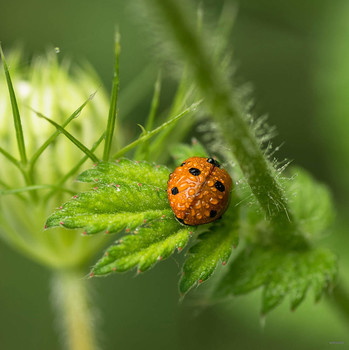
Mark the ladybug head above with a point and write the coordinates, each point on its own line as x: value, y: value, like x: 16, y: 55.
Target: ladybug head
x: 214, y: 162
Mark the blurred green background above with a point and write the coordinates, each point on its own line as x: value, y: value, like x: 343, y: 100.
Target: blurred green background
x: 296, y: 55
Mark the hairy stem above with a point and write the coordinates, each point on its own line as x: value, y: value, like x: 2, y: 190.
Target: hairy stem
x: 225, y: 108
x: 71, y: 300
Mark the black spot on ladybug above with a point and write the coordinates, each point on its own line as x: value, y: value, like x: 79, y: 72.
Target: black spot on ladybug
x: 220, y: 187
x: 195, y: 171
x: 174, y: 191
x: 213, y: 213
x: 214, y: 162
x: 182, y: 164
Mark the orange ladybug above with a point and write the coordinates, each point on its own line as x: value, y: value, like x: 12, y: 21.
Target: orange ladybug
x: 199, y: 191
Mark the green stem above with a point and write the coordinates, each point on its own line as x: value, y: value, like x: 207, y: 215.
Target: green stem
x: 10, y: 158
x: 150, y: 134
x: 230, y: 115
x: 33, y: 188
x: 52, y: 138
x: 70, y: 297
x: 74, y: 140
x: 75, y: 168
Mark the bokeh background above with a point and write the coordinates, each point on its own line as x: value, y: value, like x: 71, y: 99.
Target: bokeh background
x: 296, y: 55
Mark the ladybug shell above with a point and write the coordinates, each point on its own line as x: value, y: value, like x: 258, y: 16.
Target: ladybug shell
x: 199, y: 191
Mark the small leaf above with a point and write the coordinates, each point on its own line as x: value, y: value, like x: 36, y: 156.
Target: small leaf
x: 113, y: 109
x: 310, y: 202
x: 215, y: 245
x: 111, y: 208
x: 181, y: 152
x: 144, y: 132
x: 281, y: 273
x: 247, y: 272
x: 147, y: 245
x: 127, y: 171
x: 118, y: 199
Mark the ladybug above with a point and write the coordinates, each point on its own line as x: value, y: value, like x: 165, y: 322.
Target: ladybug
x: 199, y: 191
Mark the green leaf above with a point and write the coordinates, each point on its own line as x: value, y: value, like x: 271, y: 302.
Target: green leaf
x: 126, y: 194
x: 148, y: 244
x: 154, y: 103
x: 76, y: 142
x: 310, y: 202
x: 15, y: 111
x: 181, y: 151
x: 10, y: 157
x: 281, y: 273
x: 113, y: 110
x: 76, y: 167
x: 214, y: 246
x: 127, y: 171
x: 52, y: 138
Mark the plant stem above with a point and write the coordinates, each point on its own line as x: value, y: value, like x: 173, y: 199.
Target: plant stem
x: 70, y: 297
x: 226, y: 109
x: 150, y: 134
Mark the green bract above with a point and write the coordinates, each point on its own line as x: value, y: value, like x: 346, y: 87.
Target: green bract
x: 37, y: 161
